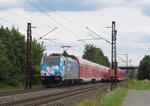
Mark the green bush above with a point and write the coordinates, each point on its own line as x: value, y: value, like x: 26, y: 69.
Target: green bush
x: 130, y: 84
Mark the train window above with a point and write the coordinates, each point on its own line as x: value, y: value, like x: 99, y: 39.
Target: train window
x: 69, y: 66
x: 64, y: 63
x: 93, y: 70
x: 51, y: 60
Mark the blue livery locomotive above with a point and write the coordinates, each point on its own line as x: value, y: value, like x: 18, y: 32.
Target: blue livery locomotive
x: 58, y: 69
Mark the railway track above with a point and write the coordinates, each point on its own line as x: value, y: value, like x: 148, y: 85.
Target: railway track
x: 2, y: 94
x: 39, y: 100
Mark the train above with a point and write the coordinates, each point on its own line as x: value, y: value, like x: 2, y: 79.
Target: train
x: 73, y: 70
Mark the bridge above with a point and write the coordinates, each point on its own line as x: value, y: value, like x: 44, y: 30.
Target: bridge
x: 130, y: 70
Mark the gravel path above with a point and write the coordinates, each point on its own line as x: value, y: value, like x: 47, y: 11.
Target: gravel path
x: 137, y: 98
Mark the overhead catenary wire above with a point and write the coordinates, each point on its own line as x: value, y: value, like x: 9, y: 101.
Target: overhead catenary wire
x: 23, y: 18
x: 13, y: 24
x: 121, y: 59
x: 50, y: 8
x: 98, y: 35
x: 26, y: 29
x: 51, y: 18
x: 61, y: 16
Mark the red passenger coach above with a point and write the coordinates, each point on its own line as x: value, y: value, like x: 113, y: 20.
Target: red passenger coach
x: 105, y: 71
x: 121, y: 75
x: 90, y: 71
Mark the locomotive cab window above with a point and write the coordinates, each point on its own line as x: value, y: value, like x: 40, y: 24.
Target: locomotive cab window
x: 51, y: 60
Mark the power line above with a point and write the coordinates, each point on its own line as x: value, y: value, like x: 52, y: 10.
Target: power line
x: 121, y: 59
x: 50, y: 17
x: 13, y: 24
x: 58, y: 13
x: 99, y: 35
x: 23, y: 18
x: 26, y: 29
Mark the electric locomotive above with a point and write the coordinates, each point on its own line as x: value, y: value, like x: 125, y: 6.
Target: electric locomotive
x: 58, y: 69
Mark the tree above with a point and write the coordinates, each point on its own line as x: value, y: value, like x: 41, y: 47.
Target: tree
x: 95, y: 54
x: 37, y: 54
x: 144, y: 68
x: 13, y: 52
x: 15, y: 46
x: 5, y: 65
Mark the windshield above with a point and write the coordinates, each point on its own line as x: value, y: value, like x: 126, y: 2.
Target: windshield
x: 51, y: 60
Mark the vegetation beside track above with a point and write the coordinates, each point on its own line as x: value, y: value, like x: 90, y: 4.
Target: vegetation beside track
x: 9, y: 88
x: 6, y: 88
x: 115, y: 98
x: 137, y: 84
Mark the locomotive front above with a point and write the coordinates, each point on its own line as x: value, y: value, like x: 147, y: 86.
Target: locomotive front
x: 52, y: 69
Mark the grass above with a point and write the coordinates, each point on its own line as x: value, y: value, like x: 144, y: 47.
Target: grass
x: 9, y: 88
x: 115, y: 98
x: 6, y: 88
x: 142, y: 85
x: 136, y: 84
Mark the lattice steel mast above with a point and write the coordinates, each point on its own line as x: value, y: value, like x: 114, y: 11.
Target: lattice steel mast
x: 29, y: 58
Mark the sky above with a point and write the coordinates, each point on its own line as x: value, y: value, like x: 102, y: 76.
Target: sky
x: 68, y: 20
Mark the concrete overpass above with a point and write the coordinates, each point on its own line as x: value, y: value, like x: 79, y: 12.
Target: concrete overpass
x: 130, y: 70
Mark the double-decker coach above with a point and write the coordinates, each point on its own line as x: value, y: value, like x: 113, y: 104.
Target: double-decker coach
x: 90, y: 71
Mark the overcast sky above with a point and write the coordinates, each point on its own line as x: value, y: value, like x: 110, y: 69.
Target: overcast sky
x: 71, y: 17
